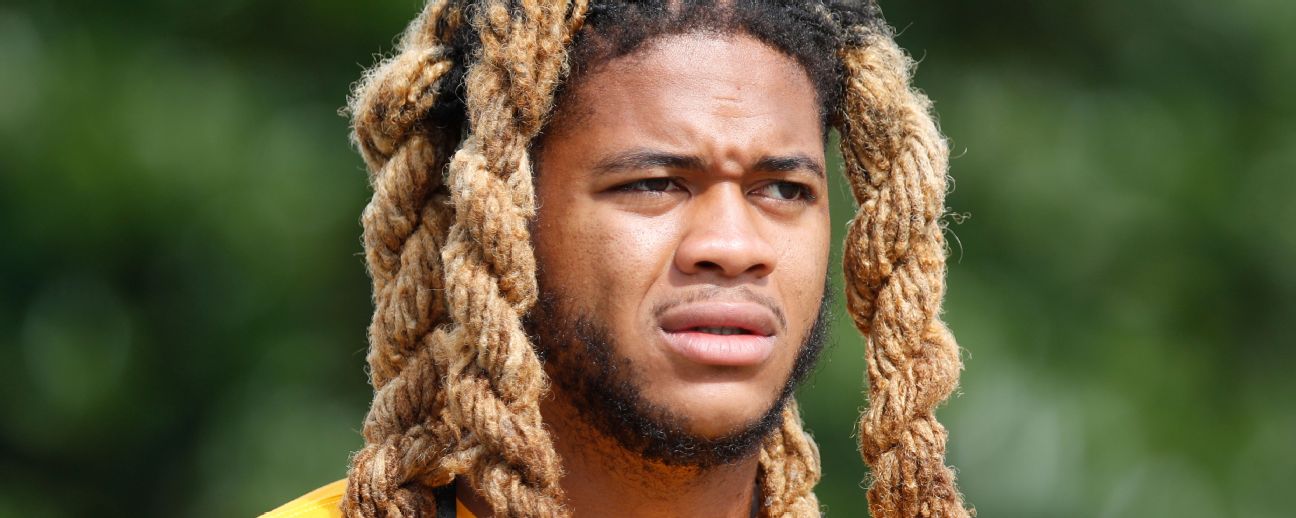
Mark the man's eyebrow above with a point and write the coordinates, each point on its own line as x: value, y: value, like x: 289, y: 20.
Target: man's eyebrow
x: 789, y: 163
x: 638, y: 159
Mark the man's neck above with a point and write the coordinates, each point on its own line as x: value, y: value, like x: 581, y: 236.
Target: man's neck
x: 603, y: 479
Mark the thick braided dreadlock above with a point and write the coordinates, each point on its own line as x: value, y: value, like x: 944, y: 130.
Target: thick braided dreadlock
x: 445, y: 127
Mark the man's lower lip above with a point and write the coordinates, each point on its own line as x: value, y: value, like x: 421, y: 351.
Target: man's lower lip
x: 720, y: 350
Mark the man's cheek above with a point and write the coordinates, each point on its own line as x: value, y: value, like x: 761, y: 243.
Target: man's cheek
x: 616, y: 254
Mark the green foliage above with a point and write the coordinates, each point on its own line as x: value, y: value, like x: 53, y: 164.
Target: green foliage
x: 184, y: 305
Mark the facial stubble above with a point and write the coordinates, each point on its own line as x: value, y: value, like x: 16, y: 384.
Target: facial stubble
x: 608, y: 389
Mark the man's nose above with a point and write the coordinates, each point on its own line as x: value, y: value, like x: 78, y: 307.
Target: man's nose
x: 723, y: 237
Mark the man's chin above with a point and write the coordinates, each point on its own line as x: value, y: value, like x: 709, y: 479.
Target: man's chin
x: 701, y: 437
x: 712, y: 415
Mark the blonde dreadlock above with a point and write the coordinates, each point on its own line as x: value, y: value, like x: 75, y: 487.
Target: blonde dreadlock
x: 455, y: 396
x: 894, y: 263
x: 456, y: 380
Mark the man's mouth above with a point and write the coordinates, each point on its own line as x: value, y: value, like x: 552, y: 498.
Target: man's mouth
x: 731, y: 334
x: 720, y: 330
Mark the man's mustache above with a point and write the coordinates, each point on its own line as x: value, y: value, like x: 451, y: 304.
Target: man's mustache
x: 718, y: 294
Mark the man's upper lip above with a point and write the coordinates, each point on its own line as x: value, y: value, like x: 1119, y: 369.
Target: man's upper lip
x: 752, y: 317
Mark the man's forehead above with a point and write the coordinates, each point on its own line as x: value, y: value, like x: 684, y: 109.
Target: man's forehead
x: 747, y: 92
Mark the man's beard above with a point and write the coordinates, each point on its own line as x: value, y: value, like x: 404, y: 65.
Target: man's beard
x: 604, y: 386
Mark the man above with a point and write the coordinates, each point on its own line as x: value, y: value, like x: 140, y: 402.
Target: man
x: 604, y: 306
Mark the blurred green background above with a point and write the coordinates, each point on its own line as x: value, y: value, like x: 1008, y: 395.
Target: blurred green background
x: 184, y: 304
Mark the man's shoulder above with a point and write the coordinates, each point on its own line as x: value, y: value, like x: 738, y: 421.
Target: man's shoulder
x: 324, y: 502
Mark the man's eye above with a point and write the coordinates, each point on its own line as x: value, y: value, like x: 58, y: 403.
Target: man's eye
x: 787, y: 191
x: 650, y: 185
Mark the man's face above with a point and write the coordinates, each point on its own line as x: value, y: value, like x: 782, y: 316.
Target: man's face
x: 683, y: 228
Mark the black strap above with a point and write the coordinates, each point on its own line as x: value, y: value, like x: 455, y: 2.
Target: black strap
x: 445, y: 501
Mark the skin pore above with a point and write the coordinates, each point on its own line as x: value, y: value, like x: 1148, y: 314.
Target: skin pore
x: 682, y: 224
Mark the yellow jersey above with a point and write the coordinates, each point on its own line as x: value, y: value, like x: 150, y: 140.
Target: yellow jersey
x: 326, y: 502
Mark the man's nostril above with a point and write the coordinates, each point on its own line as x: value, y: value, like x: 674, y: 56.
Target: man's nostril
x: 708, y: 265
